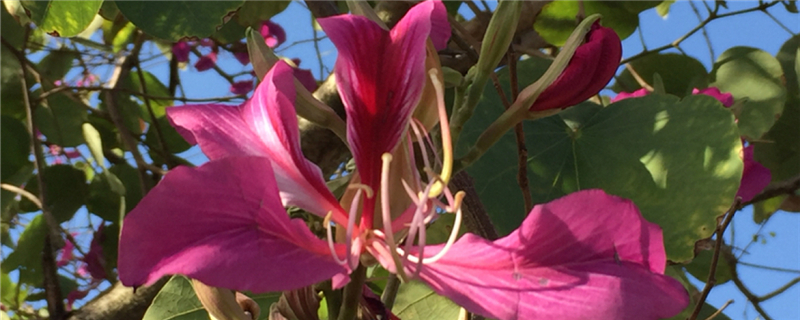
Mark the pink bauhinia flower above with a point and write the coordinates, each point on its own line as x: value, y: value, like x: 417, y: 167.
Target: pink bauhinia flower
x: 224, y: 223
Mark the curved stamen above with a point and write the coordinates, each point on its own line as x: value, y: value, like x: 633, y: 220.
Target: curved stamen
x: 351, y: 223
x: 423, y: 149
x: 327, y: 223
x: 453, y: 234
x: 447, y: 146
x: 362, y: 186
x: 385, y: 210
x: 418, y: 221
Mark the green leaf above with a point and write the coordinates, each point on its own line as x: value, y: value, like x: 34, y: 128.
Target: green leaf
x: 439, y: 231
x: 557, y: 19
x: 755, y: 75
x: 129, y: 109
x: 174, y: 20
x: 61, y: 120
x: 95, y: 144
x: 15, y: 146
x: 787, y: 56
x: 10, y: 29
x: 10, y: 84
x: 110, y: 244
x: 452, y: 7
x: 231, y: 32
x: 663, y: 8
x: 103, y: 201
x: 31, y: 242
x: 65, y: 190
x: 652, y: 150
x: 762, y: 210
x: 679, y: 73
x: 176, y: 301
x: 9, y: 295
x: 416, y: 301
x: 706, y: 311
x: 154, y: 88
x: 109, y: 10
x: 62, y: 18
x: 701, y: 264
x: 130, y: 179
x: 254, y: 12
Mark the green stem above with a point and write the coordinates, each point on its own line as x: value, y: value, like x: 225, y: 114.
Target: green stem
x: 352, y: 294
x: 493, y: 133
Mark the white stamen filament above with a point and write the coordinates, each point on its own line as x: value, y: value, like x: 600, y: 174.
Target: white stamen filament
x: 327, y: 223
x: 351, y: 223
x: 387, y: 215
x: 452, y: 239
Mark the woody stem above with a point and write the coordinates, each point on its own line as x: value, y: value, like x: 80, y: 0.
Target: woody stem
x: 352, y: 294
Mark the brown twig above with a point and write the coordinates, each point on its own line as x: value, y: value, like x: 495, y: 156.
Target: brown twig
x: 712, y: 279
x: 719, y: 311
x: 519, y: 133
x: 52, y: 287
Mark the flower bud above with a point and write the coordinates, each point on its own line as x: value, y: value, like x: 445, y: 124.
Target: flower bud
x: 590, y: 69
x: 498, y: 36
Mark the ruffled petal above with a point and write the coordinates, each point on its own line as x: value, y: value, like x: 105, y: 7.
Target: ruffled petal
x: 380, y: 76
x: 265, y: 126
x: 585, y: 256
x: 223, y: 224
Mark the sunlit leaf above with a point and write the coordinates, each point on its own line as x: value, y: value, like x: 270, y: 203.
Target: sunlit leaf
x: 62, y: 18
x: 651, y: 150
x: 176, y: 301
x: 253, y: 12
x: 680, y: 73
x: 173, y: 20
x: 416, y: 301
x: 557, y: 20
x: 755, y: 75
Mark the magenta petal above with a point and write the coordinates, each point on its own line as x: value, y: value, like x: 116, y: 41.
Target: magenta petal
x: 242, y: 87
x: 273, y: 34
x: 755, y: 177
x: 266, y: 126
x: 223, y: 224
x: 94, y: 259
x: 243, y: 57
x: 380, y: 76
x: 181, y: 51
x: 587, y: 255
x: 625, y: 95
x: 206, y: 62
x: 725, y: 98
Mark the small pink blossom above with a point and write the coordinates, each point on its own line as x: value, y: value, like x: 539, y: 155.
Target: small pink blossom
x: 67, y: 253
x: 725, y: 98
x: 242, y: 87
x: 72, y: 154
x: 243, y: 57
x: 181, y: 51
x: 625, y: 95
x: 94, y: 259
x: 206, y: 62
x: 755, y: 176
x: 273, y: 34
x: 208, y: 43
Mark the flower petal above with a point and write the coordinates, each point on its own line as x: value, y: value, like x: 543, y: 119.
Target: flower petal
x: 265, y: 125
x: 585, y: 256
x: 725, y: 98
x: 380, y: 76
x: 223, y: 224
x: 755, y: 176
